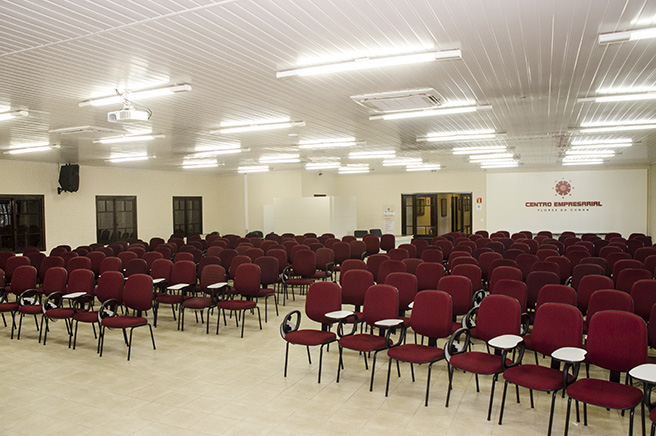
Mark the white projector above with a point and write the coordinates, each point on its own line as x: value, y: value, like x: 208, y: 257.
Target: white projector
x: 127, y: 115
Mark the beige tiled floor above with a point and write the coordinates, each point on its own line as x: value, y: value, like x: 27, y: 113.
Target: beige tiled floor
x: 198, y: 384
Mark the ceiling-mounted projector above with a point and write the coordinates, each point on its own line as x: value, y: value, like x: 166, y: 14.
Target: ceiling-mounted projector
x: 127, y: 115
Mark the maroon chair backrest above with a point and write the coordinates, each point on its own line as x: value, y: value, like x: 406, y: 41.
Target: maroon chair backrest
x: 36, y: 259
x: 55, y: 280
x: 127, y: 256
x: 236, y: 262
x: 254, y: 253
x: 14, y: 262
x: 342, y: 251
x: 643, y: 293
x: 632, y: 245
x: 80, y: 262
x: 613, y: 258
x: 411, y: 264
x: 421, y: 245
x: 281, y: 255
x: 136, y: 266
x: 390, y: 266
x: 398, y: 254
x: 556, y: 294
x: 4, y: 255
x: 305, y: 263
x: 411, y: 249
x: 355, y: 283
x: 543, y: 265
x: 358, y: 248
x: 247, y: 280
x: 295, y: 249
x: 498, y: 315
x: 652, y: 327
x: 322, y: 298
x: 460, y: 290
x: 585, y: 269
x: 161, y: 269
x: 504, y: 272
x: 628, y: 276
x: 268, y: 270
x: 428, y: 275
x: 616, y: 341
x: 24, y: 278
x: 642, y: 253
x: 462, y: 260
x: 205, y: 261
x: 110, y: 285
x: 80, y: 280
x: 556, y: 325
x: 597, y: 261
x: 543, y: 253
x: 380, y: 302
x: 432, y: 255
x: 47, y: 263
x: 564, y: 264
x: 226, y: 257
x: 372, y: 244
x: 111, y: 263
x: 587, y: 286
x: 472, y: 272
x: 211, y: 274
x: 138, y: 292
x: 608, y: 299
x: 406, y: 285
x: 534, y: 283
x: 373, y: 263
x: 96, y: 258
x: 180, y: 256
x: 432, y: 314
x: 524, y: 262
x: 350, y: 264
x: 445, y: 245
x: 485, y: 262
x: 387, y: 242
x: 511, y: 288
x: 184, y: 271
x: 215, y: 250
x: 496, y: 246
x: 621, y: 264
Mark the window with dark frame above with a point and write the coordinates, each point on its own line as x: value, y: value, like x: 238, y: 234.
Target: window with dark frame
x: 187, y: 215
x: 116, y: 218
x: 22, y: 222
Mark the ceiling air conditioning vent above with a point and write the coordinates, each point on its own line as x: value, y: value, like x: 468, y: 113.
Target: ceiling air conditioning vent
x: 399, y: 101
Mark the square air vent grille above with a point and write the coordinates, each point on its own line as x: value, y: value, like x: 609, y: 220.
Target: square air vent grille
x: 400, y: 101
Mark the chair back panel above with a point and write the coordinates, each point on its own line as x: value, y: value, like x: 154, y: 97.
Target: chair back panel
x: 355, y: 283
x: 322, y: 298
x: 406, y: 285
x: 556, y: 325
x: 616, y: 340
x: 110, y: 285
x: 380, y: 302
x: 498, y: 315
x: 460, y: 290
x: 432, y: 314
x: 138, y: 292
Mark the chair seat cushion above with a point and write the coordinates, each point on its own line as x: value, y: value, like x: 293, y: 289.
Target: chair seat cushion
x: 605, y: 393
x: 60, y: 313
x: 363, y: 342
x: 416, y: 353
x: 236, y: 304
x: 310, y: 337
x: 169, y: 299
x: 539, y: 378
x: 478, y: 362
x: 197, y: 303
x: 31, y: 309
x: 122, y: 322
x: 299, y: 282
x: 265, y: 292
x: 8, y: 307
x: 86, y: 316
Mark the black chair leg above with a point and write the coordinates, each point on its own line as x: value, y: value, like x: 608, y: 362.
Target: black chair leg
x: 489, y: 410
x: 389, y: 369
x: 503, y: 401
x: 286, y: 357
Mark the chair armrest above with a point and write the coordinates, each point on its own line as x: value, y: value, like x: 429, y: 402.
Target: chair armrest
x: 53, y: 301
x: 286, y: 274
x: 469, y: 320
x: 291, y: 323
x: 29, y: 297
x: 645, y: 372
x: 351, y: 319
x: 508, y: 343
x: 391, y: 325
x: 108, y: 309
x: 338, y: 314
x: 478, y: 297
x: 525, y: 324
x: 456, y: 343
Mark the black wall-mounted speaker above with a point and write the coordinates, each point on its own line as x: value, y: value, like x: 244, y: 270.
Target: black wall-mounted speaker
x: 69, y: 178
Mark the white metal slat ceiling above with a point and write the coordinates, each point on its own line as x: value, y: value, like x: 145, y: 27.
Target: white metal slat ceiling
x: 530, y: 60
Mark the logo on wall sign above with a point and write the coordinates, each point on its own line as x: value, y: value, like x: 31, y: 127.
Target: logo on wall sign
x: 563, y: 188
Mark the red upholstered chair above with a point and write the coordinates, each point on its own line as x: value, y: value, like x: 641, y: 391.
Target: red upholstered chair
x: 428, y: 274
x: 110, y: 286
x: 472, y: 272
x: 587, y: 286
x: 556, y: 326
x: 111, y: 263
x: 322, y: 298
x: 136, y: 266
x: 300, y: 273
x: 226, y: 257
x: 616, y: 341
x: 26, y: 297
x: 350, y: 264
x: 582, y: 270
x: 181, y: 255
x: 534, y: 283
x: 622, y: 264
x: 127, y: 256
x: 462, y: 260
x: 497, y: 315
x: 137, y: 296
x: 597, y: 261
x: 268, y: 279
x: 496, y: 246
x: 387, y: 242
x: 628, y: 276
x: 4, y: 255
x: 445, y: 245
x: 406, y: 284
x: 358, y: 249
x: 398, y: 254
x: 390, y: 266
x: 421, y: 245
x: 355, y: 283
x: 512, y: 253
x: 512, y: 288
x: 160, y: 271
x: 213, y: 283
x: 137, y: 248
x: 35, y: 259
x: 381, y: 302
x: 485, y: 262
x: 246, y: 284
x: 237, y: 260
x: 81, y: 283
x: 372, y: 244
x: 68, y: 255
x: 432, y: 255
x: 183, y: 280
x: 607, y: 299
x: 373, y: 263
x: 642, y: 253
x: 556, y: 293
x: 431, y: 317
x: 564, y: 265
x: 411, y: 249
x: 460, y: 290
x: 504, y: 272
x: 411, y: 264
x: 524, y: 262
x: 613, y: 258
x: 643, y: 293
x: 96, y: 258
x: 543, y: 253
x: 14, y: 262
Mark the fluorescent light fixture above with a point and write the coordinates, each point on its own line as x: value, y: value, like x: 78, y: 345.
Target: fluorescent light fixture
x: 32, y: 144
x: 199, y: 163
x: 474, y: 150
x: 136, y: 95
x: 14, y: 114
x: 629, y: 35
x: 210, y: 153
x: 402, y: 161
x: 598, y: 146
x: 593, y: 153
x: 487, y: 166
x: 127, y: 138
x: 617, y: 128
x: 379, y: 154
x: 587, y: 162
x: 31, y: 149
x: 627, y: 90
x: 618, y: 97
x: 354, y: 169
x: 476, y: 157
x: 646, y: 21
x: 280, y: 158
x: 581, y: 158
x: 329, y: 143
x: 322, y: 165
x: 423, y: 167
x: 458, y: 136
x: 258, y: 127
x: 129, y: 158
x: 428, y: 112
x: 253, y: 169
x: 375, y: 62
x: 604, y: 142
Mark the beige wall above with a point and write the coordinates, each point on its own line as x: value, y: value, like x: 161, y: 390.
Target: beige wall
x: 651, y: 201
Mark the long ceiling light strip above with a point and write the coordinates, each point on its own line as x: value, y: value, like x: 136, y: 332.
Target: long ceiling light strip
x: 253, y: 169
x: 600, y: 146
x: 475, y: 150
x: 366, y: 63
x: 380, y: 154
x: 36, y: 149
x: 322, y: 165
x: 128, y: 138
x: 589, y: 162
x: 14, y: 114
x: 258, y: 127
x: 458, y: 136
x: 133, y: 158
x: 402, y: 161
x: 429, y: 112
x: 629, y: 35
x: 282, y: 158
x: 618, y: 128
x: 423, y: 167
x: 618, y: 98
x: 313, y: 145
x: 604, y: 142
x: 136, y: 95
